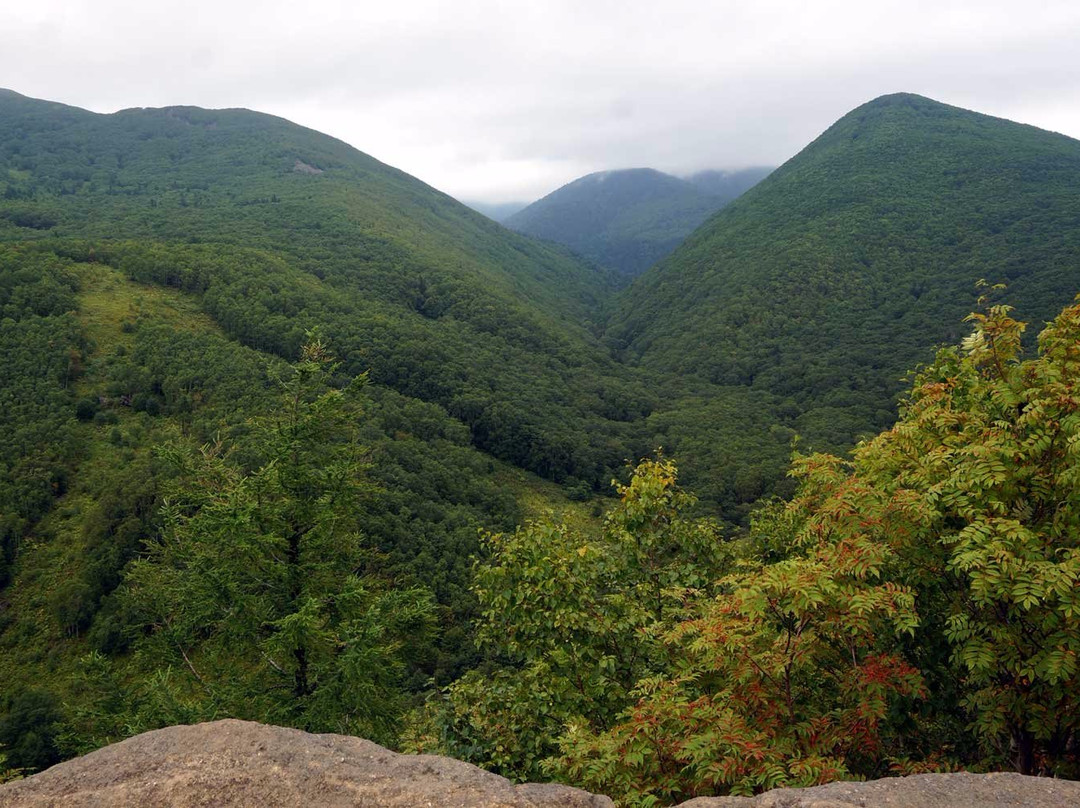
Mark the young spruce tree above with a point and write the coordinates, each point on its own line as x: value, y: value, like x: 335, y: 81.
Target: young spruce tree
x: 258, y: 595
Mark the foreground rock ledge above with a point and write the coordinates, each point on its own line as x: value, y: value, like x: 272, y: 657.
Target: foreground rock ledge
x: 239, y: 763
x: 960, y: 790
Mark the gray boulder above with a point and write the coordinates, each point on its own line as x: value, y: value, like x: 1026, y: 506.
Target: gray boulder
x: 239, y: 763
x: 227, y: 764
x: 961, y: 790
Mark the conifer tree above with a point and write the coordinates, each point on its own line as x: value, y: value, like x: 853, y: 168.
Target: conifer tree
x: 259, y: 591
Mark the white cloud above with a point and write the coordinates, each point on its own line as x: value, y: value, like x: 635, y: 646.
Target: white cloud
x: 497, y: 100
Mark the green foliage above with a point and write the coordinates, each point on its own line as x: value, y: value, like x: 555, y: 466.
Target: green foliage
x: 86, y: 409
x: 574, y: 620
x: 43, y: 349
x: 161, y: 373
x: 821, y: 287
x: 794, y: 674
x: 983, y: 468
x: 804, y: 665
x: 570, y: 419
x: 785, y: 678
x: 28, y: 730
x: 260, y: 587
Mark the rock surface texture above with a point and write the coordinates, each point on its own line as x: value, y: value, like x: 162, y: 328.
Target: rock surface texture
x: 961, y: 790
x: 239, y: 763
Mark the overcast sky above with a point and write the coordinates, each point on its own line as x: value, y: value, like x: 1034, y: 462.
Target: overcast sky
x: 501, y: 101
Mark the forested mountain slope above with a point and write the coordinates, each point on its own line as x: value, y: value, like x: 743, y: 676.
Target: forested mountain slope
x: 847, y: 265
x: 160, y: 271
x: 626, y: 220
x: 115, y: 393
x: 172, y: 172
x: 795, y: 311
x: 204, y: 508
x: 280, y: 229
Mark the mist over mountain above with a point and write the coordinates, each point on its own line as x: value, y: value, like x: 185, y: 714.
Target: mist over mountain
x: 499, y: 211
x: 728, y: 185
x: 628, y: 219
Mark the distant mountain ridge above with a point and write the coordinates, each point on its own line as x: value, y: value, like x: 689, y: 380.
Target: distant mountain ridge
x: 728, y: 185
x: 499, y: 211
x: 628, y: 219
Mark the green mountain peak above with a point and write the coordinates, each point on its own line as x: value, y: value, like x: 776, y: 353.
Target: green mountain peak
x: 824, y: 283
x: 628, y: 219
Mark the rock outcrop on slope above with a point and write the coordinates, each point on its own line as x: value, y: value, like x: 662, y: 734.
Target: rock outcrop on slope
x: 238, y: 763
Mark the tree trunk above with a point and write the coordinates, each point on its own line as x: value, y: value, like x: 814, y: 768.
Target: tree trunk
x: 1024, y: 744
x: 300, y: 678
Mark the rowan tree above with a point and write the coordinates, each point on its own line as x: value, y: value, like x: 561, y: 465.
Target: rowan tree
x: 786, y: 677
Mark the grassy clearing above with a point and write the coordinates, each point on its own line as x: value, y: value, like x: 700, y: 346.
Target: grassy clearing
x: 35, y: 644
x: 108, y: 300
x: 541, y: 498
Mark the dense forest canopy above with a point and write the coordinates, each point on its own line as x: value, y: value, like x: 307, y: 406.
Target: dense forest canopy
x: 438, y: 301
x: 289, y: 435
x: 914, y: 609
x: 840, y: 271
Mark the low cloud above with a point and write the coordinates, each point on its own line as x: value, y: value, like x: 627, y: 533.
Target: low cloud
x: 498, y: 101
